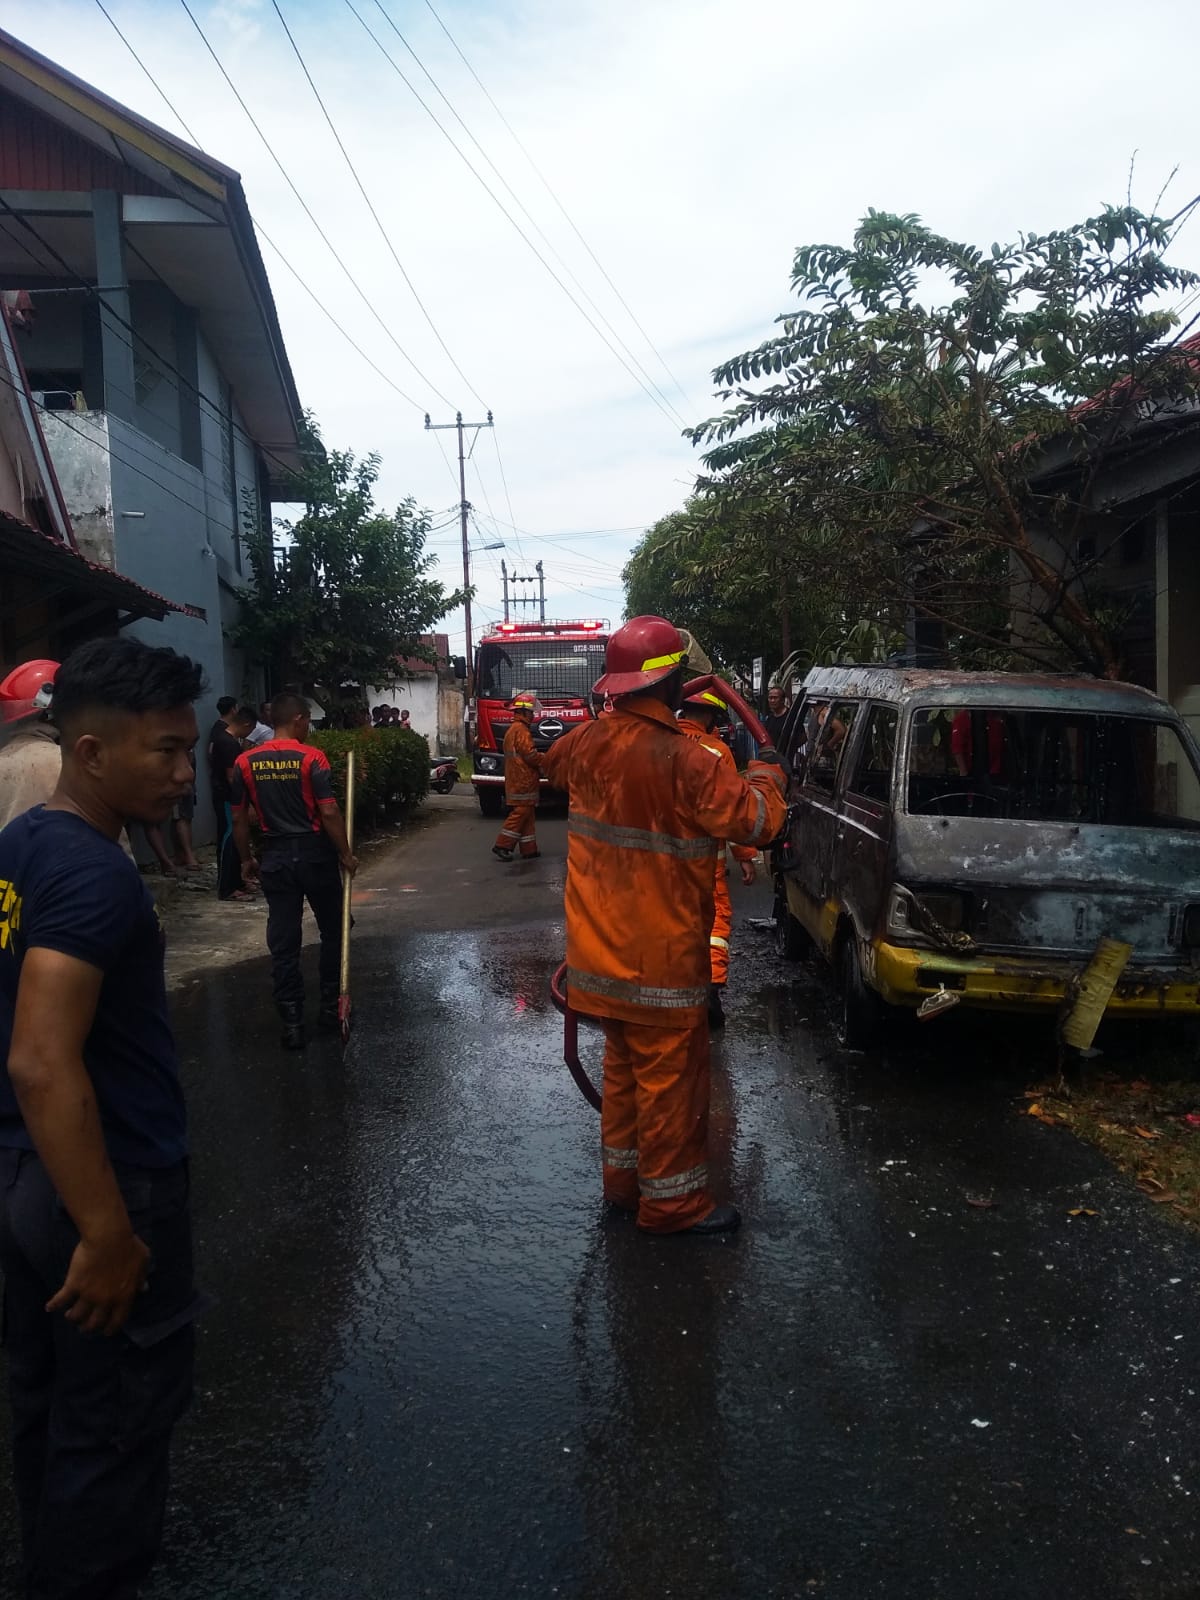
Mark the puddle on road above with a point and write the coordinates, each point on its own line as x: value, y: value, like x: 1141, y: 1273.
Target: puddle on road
x: 424, y: 1306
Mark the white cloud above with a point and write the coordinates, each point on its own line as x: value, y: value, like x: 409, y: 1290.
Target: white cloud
x: 695, y: 143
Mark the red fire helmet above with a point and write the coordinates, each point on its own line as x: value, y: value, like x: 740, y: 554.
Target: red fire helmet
x: 27, y: 689
x: 641, y: 652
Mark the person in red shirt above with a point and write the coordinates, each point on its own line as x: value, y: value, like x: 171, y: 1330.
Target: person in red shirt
x: 288, y: 785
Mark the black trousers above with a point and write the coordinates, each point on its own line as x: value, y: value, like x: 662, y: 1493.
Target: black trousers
x: 92, y: 1417
x: 294, y: 870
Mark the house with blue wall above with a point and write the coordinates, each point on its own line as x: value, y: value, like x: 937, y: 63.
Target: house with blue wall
x: 152, y: 348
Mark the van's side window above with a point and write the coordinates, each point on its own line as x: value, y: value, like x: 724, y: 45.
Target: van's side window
x: 827, y: 734
x: 873, y: 774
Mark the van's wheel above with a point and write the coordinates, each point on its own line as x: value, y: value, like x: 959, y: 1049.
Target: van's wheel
x: 790, y: 939
x: 491, y: 802
x: 861, y: 1011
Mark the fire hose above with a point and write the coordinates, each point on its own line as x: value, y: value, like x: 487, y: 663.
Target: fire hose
x: 558, y: 983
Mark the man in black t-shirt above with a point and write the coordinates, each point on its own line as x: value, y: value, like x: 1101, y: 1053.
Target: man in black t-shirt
x: 95, y: 1241
x: 224, y: 747
x: 779, y: 703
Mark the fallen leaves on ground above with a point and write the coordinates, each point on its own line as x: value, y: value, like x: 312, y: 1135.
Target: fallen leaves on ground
x: 1154, y: 1189
x: 1146, y: 1127
x: 1050, y: 1118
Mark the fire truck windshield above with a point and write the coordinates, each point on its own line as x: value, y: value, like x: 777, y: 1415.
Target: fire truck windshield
x: 561, y: 669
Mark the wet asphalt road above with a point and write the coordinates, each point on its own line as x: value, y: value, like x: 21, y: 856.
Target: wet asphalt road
x: 437, y: 1369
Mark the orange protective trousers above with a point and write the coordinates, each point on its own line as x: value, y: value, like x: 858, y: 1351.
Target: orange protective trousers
x: 654, y: 1123
x: 518, y: 829
x: 722, y: 928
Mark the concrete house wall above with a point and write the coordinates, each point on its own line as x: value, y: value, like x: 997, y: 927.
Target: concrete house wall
x: 139, y: 504
x: 154, y: 343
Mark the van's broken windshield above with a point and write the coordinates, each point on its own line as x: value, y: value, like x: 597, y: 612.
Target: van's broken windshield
x: 1050, y: 766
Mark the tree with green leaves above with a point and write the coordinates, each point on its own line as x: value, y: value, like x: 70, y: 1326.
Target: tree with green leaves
x: 346, y: 589
x: 757, y: 607
x: 929, y: 430
x: 670, y: 574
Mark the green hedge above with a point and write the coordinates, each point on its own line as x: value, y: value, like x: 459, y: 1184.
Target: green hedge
x: 392, y: 769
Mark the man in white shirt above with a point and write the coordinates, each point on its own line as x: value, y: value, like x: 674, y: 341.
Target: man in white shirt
x: 262, y: 730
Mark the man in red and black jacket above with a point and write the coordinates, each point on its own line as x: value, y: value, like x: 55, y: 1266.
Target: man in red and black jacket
x: 287, y: 782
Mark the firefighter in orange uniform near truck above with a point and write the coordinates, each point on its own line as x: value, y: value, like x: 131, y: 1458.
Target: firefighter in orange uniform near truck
x: 522, y: 765
x: 648, y: 806
x: 698, y: 719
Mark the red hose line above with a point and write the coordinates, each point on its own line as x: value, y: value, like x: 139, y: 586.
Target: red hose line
x: 558, y: 993
x: 733, y: 699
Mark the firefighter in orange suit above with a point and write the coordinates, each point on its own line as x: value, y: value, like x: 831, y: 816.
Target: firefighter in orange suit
x: 522, y: 766
x: 648, y: 806
x: 698, y: 720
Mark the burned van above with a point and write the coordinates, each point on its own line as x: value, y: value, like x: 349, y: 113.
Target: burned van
x: 972, y: 838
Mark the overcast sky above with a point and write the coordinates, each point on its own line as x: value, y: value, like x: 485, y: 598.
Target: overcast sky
x: 694, y: 144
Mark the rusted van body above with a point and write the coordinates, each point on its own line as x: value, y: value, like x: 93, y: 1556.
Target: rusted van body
x: 980, y: 833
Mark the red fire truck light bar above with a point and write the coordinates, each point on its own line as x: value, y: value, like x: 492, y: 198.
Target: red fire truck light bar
x: 549, y: 627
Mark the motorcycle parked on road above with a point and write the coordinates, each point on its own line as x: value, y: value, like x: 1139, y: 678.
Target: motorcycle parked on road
x: 443, y: 774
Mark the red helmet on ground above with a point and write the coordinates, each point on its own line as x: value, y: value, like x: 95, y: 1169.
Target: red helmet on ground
x: 27, y: 689
x: 641, y: 652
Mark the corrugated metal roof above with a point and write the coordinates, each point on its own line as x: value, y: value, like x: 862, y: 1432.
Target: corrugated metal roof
x: 36, y: 552
x: 37, y: 153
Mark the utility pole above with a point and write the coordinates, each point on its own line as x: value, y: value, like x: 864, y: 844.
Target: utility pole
x: 464, y: 507
x: 537, y: 576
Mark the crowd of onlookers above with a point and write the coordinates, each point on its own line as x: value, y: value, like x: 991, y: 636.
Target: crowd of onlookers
x: 238, y: 727
x: 389, y: 717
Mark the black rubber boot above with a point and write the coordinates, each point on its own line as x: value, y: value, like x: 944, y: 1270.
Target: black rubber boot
x: 327, y: 1017
x: 291, y: 1013
x: 716, y: 1011
x: 721, y: 1219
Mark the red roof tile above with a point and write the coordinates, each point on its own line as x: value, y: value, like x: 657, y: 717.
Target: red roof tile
x: 43, y: 552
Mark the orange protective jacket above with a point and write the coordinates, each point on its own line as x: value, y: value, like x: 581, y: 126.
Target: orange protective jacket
x: 522, y: 764
x: 648, y: 806
x: 714, y: 742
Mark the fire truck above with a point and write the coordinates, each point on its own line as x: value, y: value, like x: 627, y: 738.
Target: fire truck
x: 559, y: 661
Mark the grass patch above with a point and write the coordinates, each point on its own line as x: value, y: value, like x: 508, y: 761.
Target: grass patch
x: 1139, y: 1119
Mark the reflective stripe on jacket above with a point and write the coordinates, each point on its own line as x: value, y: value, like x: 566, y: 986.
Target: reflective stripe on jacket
x: 647, y: 808
x: 522, y: 763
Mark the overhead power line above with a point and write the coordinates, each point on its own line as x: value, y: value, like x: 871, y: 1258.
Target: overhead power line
x: 308, y: 211
x: 386, y: 237
x: 162, y: 92
x: 545, y: 182
x: 522, y: 207
x: 262, y: 232
x: 504, y: 479
x: 162, y: 360
x: 396, y: 68
x: 312, y: 294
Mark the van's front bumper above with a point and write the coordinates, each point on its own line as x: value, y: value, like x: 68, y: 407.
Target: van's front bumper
x: 904, y: 977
